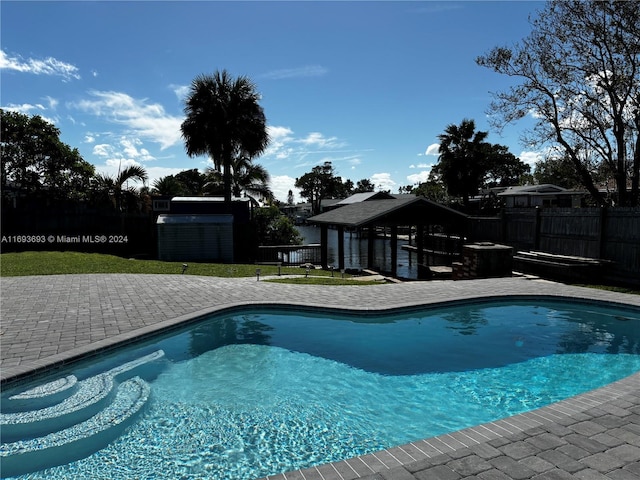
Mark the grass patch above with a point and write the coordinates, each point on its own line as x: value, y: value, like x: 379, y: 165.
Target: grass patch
x: 57, y: 263
x: 611, y: 288
x: 313, y: 280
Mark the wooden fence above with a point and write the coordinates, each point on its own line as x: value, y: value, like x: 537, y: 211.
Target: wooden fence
x: 611, y: 234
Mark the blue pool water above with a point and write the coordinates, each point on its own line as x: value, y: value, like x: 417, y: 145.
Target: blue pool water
x: 258, y: 392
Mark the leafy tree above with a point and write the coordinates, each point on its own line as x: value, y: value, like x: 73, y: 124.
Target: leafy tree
x: 168, y: 186
x: 320, y: 183
x: 344, y: 189
x: 274, y: 228
x: 558, y: 171
x: 35, y: 160
x: 504, y: 169
x: 579, y: 78
x: 192, y: 182
x: 461, y: 163
x: 468, y: 163
x: 116, y: 189
x: 363, y: 186
x: 224, y: 120
x: 433, y: 189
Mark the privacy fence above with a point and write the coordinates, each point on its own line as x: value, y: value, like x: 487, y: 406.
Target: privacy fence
x: 99, y: 232
x: 611, y: 234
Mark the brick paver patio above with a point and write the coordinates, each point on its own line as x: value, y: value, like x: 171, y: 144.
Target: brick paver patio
x: 53, y: 319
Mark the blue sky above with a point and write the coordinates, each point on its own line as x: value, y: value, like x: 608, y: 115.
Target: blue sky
x: 366, y: 85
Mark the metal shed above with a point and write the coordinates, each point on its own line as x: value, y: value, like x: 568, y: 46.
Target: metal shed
x: 198, y: 237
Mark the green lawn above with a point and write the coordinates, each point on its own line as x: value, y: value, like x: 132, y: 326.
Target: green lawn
x: 55, y: 263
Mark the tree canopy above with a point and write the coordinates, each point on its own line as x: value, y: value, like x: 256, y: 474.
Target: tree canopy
x: 36, y: 161
x: 323, y: 183
x: 467, y: 163
x: 224, y: 120
x: 320, y: 183
x: 578, y: 76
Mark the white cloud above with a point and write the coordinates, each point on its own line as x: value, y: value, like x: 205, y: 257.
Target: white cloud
x: 53, y: 103
x: 417, y: 178
x: 89, y: 138
x: 354, y: 162
x: 306, y: 71
x: 317, y: 139
x: 421, y: 165
x: 123, y: 153
x: 383, y: 181
x: 25, y: 108
x: 31, y: 110
x: 279, y: 133
x: 313, y: 149
x: 121, y: 163
x: 147, y: 120
x: 130, y: 149
x: 280, y: 186
x: 181, y: 91
x: 102, y: 150
x: 433, y: 149
x: 530, y: 158
x: 48, y: 66
x: 279, y: 141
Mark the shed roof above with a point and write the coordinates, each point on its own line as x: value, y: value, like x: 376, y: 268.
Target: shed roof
x: 364, y: 196
x: 406, y: 210
x: 543, y: 189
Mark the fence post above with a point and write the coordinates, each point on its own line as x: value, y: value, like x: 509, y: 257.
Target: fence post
x: 536, y: 226
x: 602, y: 240
x: 324, y: 246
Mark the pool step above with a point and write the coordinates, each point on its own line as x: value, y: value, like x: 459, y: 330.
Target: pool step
x: 79, y: 440
x: 147, y: 366
x: 91, y: 395
x: 42, y: 396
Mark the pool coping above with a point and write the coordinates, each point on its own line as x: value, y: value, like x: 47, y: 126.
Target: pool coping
x: 621, y: 398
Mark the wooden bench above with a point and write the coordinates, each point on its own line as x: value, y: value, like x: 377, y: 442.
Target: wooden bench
x: 559, y: 267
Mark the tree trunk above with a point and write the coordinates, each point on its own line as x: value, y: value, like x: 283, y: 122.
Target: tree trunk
x: 226, y: 177
x: 585, y: 176
x: 635, y: 178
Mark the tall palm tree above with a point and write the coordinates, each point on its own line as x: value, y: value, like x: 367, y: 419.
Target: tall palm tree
x: 461, y: 161
x: 224, y: 120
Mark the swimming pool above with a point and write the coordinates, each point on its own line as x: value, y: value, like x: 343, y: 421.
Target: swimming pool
x: 255, y: 392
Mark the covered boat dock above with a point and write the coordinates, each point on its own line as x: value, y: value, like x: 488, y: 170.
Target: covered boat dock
x: 388, y: 212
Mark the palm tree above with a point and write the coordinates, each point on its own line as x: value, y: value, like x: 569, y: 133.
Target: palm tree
x: 247, y: 177
x: 461, y: 160
x: 224, y: 121
x: 168, y: 185
x: 115, y: 188
x: 251, y: 178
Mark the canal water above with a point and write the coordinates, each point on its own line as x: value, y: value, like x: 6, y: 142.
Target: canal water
x: 355, y: 251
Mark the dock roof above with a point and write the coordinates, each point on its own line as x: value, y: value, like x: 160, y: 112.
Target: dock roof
x: 405, y: 210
